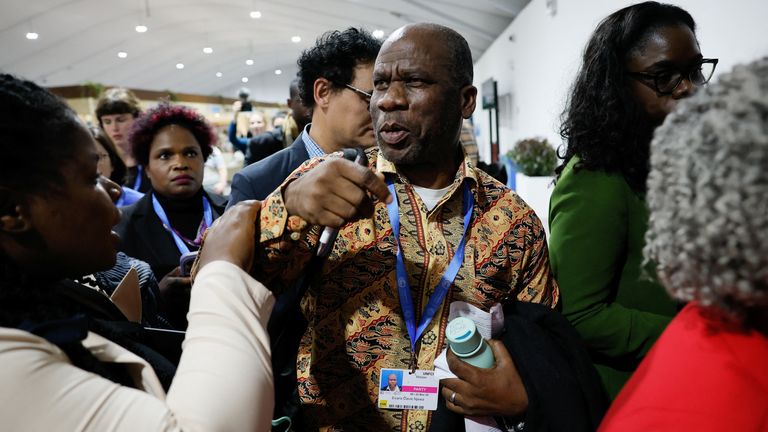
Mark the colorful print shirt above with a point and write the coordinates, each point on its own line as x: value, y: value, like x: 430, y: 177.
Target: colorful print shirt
x: 356, y: 327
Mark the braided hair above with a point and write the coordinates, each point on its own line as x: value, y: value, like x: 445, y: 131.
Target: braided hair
x: 28, y: 112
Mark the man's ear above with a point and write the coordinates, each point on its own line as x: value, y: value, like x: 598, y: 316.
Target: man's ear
x: 14, y: 213
x: 468, y: 100
x: 321, y: 90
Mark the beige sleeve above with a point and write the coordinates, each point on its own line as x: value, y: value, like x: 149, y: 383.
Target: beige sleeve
x: 224, y: 380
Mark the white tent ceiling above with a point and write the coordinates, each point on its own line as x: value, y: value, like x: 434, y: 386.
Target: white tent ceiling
x: 79, y: 40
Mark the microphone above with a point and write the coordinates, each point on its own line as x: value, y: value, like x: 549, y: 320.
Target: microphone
x: 356, y: 155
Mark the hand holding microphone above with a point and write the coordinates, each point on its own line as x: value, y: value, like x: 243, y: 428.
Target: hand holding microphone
x: 334, y: 192
x: 356, y: 155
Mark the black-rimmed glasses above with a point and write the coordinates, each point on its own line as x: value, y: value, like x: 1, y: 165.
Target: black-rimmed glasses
x: 665, y: 83
x: 362, y: 93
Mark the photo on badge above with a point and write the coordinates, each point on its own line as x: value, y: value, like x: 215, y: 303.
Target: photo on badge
x: 391, y: 380
x: 401, y: 389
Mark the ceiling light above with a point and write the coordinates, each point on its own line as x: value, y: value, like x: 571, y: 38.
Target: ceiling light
x: 255, y: 14
x: 141, y: 29
x: 378, y: 34
x: 219, y: 74
x: 244, y: 79
x: 179, y: 65
x: 32, y: 35
x: 122, y: 54
x: 278, y: 71
x: 249, y: 62
x: 207, y: 50
x: 296, y: 39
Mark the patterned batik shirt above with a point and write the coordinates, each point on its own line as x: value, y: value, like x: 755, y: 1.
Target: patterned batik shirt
x: 356, y: 327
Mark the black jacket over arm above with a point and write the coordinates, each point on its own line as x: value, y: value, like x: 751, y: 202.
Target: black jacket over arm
x: 564, y: 390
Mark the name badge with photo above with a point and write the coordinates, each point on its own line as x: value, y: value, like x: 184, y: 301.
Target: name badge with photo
x: 400, y: 389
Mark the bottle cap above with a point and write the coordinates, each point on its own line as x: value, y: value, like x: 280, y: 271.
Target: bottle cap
x: 463, y: 337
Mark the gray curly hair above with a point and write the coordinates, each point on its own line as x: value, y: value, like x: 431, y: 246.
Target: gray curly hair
x: 708, y: 194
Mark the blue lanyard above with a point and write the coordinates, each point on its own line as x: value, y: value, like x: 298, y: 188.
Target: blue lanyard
x: 137, y: 181
x: 180, y: 244
x: 442, y: 288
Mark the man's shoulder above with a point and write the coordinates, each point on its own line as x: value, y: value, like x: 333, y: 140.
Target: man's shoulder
x: 281, y: 160
x: 496, y: 193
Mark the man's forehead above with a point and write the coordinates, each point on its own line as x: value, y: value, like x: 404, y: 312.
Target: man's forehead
x: 412, y: 57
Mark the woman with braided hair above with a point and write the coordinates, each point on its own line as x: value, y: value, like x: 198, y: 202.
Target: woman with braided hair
x: 65, y: 363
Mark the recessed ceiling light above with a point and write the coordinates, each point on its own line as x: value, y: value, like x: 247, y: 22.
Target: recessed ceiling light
x: 179, y: 65
x: 296, y: 39
x: 378, y: 34
x: 244, y: 79
x: 249, y: 62
x: 207, y: 50
x: 122, y: 54
x: 278, y: 71
x: 141, y: 29
x: 255, y: 14
x: 219, y: 74
x: 32, y: 35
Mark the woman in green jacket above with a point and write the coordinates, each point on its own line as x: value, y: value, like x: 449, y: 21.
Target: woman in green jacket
x: 638, y: 63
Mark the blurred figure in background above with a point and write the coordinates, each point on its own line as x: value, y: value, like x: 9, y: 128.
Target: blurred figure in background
x: 708, y: 201
x: 215, y: 172
x: 260, y: 142
x: 116, y: 111
x: 299, y: 116
x: 112, y: 166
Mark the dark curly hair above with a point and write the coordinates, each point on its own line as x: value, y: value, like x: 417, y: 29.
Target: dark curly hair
x: 118, y: 166
x: 602, y: 123
x: 334, y: 57
x: 165, y: 114
x: 117, y: 100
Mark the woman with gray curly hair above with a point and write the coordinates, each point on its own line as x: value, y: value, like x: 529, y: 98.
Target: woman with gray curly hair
x: 708, y: 199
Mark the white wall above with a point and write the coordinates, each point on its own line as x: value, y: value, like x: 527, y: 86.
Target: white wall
x: 539, y: 65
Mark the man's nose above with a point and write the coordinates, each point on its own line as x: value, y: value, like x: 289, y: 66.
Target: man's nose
x: 394, y: 98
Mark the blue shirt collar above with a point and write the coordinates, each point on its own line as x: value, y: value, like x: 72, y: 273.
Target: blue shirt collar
x: 313, y: 149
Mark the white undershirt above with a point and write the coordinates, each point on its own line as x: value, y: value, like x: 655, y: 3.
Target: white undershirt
x: 430, y: 197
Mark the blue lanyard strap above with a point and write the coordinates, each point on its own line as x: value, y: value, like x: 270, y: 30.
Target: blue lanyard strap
x: 442, y: 288
x: 180, y: 244
x: 137, y: 181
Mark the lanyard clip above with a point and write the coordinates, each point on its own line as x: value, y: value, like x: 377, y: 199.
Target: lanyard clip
x: 412, y: 362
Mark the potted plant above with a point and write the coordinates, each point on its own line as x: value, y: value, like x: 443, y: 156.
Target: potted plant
x: 535, y: 160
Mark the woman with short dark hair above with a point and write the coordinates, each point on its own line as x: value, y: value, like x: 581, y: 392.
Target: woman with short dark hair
x: 639, y: 62
x: 172, y: 143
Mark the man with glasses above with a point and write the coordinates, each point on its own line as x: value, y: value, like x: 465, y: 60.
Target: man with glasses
x: 335, y: 83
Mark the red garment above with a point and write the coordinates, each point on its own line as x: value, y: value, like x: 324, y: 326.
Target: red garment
x: 703, y: 374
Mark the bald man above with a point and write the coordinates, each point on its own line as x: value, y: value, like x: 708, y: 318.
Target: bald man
x: 454, y: 223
